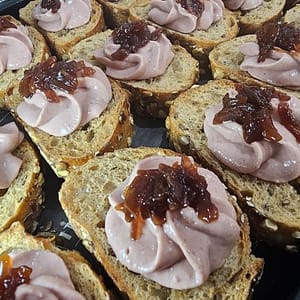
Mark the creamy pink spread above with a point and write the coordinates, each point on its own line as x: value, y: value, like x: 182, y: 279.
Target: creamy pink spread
x: 182, y: 252
x: 280, y: 68
x: 10, y: 139
x: 171, y: 14
x: 71, y: 14
x: 149, y: 61
x: 16, y: 48
x: 50, y: 278
x: 272, y: 161
x: 242, y: 4
x: 89, y: 100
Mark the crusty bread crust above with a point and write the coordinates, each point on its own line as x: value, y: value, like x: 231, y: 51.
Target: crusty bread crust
x: 273, y: 209
x: 113, y: 129
x: 84, y: 279
x: 225, y: 60
x: 23, y: 199
x: 198, y: 43
x: 268, y: 11
x: 86, y: 210
x: 10, y: 78
x: 150, y: 97
x: 64, y: 39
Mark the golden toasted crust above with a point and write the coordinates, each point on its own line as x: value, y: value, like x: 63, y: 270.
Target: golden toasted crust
x: 150, y: 97
x: 63, y: 40
x: 273, y: 209
x: 23, y: 199
x: 111, y: 130
x: 86, y: 210
x: 84, y: 279
x: 9, y: 79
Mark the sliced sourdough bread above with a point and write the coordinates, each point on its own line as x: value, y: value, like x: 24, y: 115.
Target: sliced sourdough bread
x: 111, y: 130
x: 198, y: 43
x: 116, y: 12
x: 86, y: 209
x: 225, y: 60
x: 273, y: 209
x: 268, y: 11
x: 292, y: 15
x: 64, y: 39
x: 40, y: 53
x: 23, y: 200
x: 85, y: 280
x: 150, y: 97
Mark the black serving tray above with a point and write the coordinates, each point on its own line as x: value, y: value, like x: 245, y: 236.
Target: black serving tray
x: 280, y: 279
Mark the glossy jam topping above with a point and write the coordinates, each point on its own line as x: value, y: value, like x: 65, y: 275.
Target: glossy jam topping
x: 54, y: 5
x: 194, y: 7
x: 131, y: 37
x: 153, y: 192
x: 53, y: 74
x: 251, y: 108
x: 284, y: 36
x: 11, y: 278
x: 5, y: 23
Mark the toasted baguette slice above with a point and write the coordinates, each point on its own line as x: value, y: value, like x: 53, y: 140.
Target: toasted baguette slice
x: 150, y: 97
x: 111, y: 130
x: 225, y: 62
x: 268, y: 11
x: 198, y: 43
x: 86, y: 210
x: 292, y: 15
x: 23, y: 199
x: 273, y: 209
x: 85, y: 280
x: 116, y: 12
x: 40, y: 53
x: 64, y: 39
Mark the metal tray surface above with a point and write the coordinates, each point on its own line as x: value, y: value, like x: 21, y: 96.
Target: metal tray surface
x: 280, y: 279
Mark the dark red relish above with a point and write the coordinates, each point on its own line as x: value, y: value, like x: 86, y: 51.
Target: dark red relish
x: 11, y: 278
x: 5, y: 23
x: 153, y: 192
x: 195, y: 7
x: 284, y: 36
x: 54, y: 5
x: 131, y: 37
x: 251, y: 108
x: 53, y: 74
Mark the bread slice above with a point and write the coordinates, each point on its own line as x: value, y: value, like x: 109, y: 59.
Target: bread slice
x: 150, y: 97
x: 225, y: 62
x: 292, y: 15
x: 268, y: 11
x: 116, y: 12
x: 64, y: 39
x: 111, y: 130
x: 85, y: 280
x: 23, y: 200
x: 40, y: 53
x: 273, y: 209
x: 86, y: 209
x: 198, y: 43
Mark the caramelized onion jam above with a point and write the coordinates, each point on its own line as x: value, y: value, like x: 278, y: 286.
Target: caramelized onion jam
x: 5, y: 23
x: 131, y: 37
x: 51, y: 75
x: 54, y: 5
x: 155, y: 191
x: 285, y: 36
x: 251, y: 108
x: 194, y: 7
x: 11, y: 278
